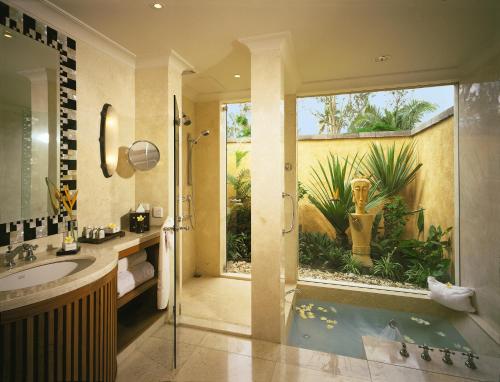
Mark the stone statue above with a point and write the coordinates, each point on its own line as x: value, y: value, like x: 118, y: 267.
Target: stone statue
x: 361, y: 223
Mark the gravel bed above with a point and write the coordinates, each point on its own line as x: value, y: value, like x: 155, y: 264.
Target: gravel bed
x: 319, y: 274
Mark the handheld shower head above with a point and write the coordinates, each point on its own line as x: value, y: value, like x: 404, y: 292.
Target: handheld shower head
x: 204, y: 133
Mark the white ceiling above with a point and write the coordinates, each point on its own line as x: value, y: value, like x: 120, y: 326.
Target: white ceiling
x: 335, y: 41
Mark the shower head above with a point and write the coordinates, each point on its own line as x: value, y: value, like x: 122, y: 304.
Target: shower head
x: 186, y: 121
x: 204, y: 133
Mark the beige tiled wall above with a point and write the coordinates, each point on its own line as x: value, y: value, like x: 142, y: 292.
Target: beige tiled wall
x: 479, y: 158
x: 102, y: 79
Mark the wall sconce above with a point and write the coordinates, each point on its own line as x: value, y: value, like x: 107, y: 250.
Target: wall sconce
x: 108, y: 140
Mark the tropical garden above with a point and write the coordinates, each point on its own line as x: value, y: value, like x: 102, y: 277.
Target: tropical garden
x: 403, y: 255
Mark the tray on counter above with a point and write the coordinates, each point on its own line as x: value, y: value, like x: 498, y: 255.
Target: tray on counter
x: 108, y: 236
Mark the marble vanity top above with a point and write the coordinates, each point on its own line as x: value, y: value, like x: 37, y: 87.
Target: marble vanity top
x: 106, y: 258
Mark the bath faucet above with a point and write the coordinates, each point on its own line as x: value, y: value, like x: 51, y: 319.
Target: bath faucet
x: 447, y: 356
x: 404, y: 351
x: 425, y: 353
x: 470, y: 360
x: 11, y: 254
x: 291, y: 291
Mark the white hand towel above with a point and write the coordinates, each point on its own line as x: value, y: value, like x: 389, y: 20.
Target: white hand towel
x: 129, y: 261
x: 166, y: 249
x: 133, y: 277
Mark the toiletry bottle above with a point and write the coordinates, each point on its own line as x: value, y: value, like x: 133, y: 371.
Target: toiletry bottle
x: 101, y: 232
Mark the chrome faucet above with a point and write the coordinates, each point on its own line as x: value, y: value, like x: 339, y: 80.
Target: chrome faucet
x: 29, y: 249
x: 11, y: 254
x: 292, y: 291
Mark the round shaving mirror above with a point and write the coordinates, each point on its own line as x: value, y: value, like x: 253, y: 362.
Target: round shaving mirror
x: 143, y: 155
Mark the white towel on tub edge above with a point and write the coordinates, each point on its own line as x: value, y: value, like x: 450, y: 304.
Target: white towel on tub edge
x: 166, y: 249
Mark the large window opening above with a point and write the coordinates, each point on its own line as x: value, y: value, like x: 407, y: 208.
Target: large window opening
x: 402, y: 142
x: 238, y: 188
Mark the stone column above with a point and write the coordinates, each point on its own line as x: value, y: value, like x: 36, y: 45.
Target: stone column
x: 267, y: 169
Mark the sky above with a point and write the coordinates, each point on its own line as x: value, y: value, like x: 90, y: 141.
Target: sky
x: 441, y: 96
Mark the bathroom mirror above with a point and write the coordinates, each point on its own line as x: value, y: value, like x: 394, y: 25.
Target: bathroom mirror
x: 29, y: 143
x: 143, y: 155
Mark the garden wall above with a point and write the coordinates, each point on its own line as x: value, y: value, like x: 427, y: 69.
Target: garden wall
x: 432, y: 190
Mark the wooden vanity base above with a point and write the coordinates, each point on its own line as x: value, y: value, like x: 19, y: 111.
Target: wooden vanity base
x: 71, y: 337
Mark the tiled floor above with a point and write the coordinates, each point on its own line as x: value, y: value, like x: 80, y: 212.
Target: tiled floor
x: 217, y: 299
x: 206, y: 356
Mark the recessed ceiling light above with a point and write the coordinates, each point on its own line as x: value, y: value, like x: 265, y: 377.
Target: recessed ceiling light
x: 7, y: 34
x: 157, y: 5
x: 383, y: 58
x: 237, y: 76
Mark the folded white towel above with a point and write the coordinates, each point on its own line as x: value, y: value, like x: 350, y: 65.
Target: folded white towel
x: 134, y: 276
x: 129, y: 261
x: 451, y: 296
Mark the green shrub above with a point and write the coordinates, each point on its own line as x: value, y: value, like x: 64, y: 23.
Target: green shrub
x: 350, y: 264
x: 315, y: 248
x: 236, y: 247
x: 387, y: 267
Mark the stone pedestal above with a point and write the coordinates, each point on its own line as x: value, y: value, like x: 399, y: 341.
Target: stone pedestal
x: 361, y: 231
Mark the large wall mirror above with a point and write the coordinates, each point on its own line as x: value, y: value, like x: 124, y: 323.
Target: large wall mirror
x: 37, y: 125
x: 28, y: 127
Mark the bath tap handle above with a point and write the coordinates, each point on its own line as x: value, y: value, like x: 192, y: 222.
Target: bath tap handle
x: 404, y: 350
x: 470, y: 360
x: 447, y: 356
x: 425, y: 352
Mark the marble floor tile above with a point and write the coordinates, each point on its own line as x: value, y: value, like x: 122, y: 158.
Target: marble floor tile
x: 160, y: 350
x: 325, y: 362
x: 138, y: 367
x: 243, y: 346
x: 381, y: 372
x: 292, y: 373
x: 488, y: 368
x: 218, y: 298
x: 215, y: 365
x: 184, y: 335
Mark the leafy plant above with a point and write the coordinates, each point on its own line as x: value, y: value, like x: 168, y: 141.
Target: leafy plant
x: 387, y: 267
x: 429, y: 257
x: 241, y: 185
x: 330, y: 192
x: 301, y: 190
x: 391, y: 172
x: 239, y: 155
x: 236, y: 246
x: 314, y: 247
x: 404, y: 116
x: 350, y: 264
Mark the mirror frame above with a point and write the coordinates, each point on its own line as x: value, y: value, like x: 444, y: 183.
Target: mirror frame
x: 18, y: 22
x: 132, y: 163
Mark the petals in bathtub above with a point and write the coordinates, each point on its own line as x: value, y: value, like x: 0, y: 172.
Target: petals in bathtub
x: 329, y: 327
x: 409, y: 339
x: 441, y: 334
x: 323, y: 318
x: 333, y: 309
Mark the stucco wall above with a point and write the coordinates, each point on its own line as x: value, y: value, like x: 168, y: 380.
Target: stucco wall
x: 432, y: 190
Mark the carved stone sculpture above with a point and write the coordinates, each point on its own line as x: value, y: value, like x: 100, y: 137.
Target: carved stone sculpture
x: 361, y: 222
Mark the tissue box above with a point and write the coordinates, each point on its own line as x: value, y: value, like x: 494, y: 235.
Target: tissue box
x: 135, y: 225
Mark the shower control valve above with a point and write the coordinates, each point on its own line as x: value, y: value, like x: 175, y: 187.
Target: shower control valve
x: 404, y: 350
x: 470, y: 360
x: 447, y: 356
x: 425, y: 352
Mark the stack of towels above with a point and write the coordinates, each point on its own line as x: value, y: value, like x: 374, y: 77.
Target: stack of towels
x: 133, y: 270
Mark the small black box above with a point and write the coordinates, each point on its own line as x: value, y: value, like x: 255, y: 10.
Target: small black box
x: 135, y: 225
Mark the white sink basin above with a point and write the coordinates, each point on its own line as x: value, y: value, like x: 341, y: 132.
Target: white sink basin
x: 42, y: 274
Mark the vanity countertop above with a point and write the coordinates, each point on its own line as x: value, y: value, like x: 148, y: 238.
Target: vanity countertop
x: 106, y: 259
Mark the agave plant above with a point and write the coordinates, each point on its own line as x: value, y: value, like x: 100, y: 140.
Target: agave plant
x: 392, y: 171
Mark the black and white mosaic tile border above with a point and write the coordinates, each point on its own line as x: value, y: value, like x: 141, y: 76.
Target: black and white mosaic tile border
x: 19, y: 22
